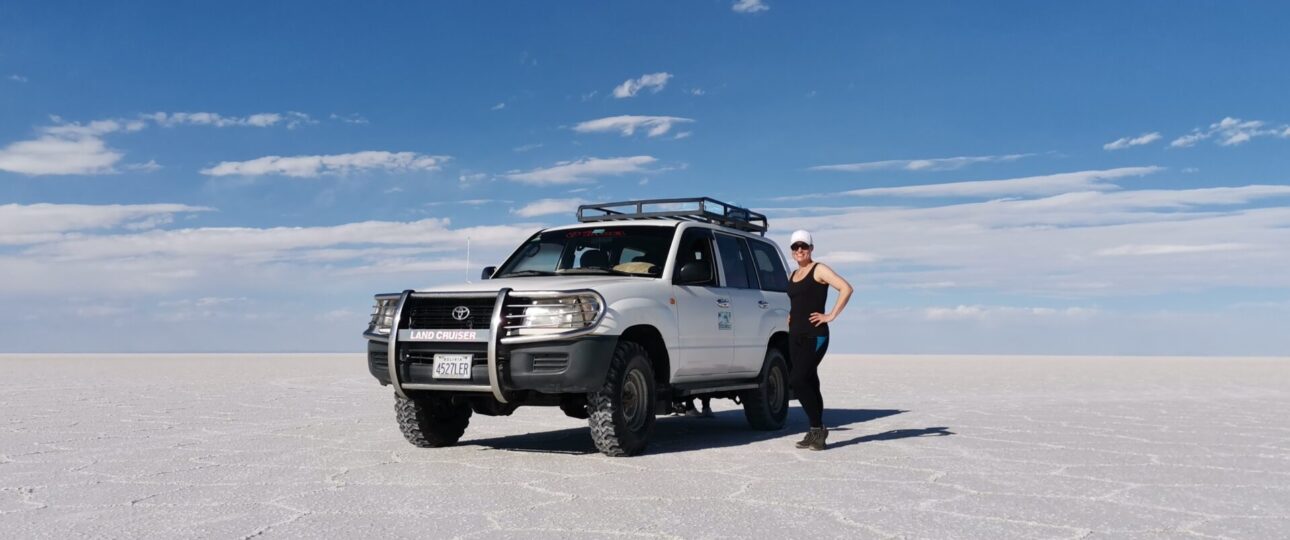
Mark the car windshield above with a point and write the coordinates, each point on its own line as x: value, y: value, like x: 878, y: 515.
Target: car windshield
x: 620, y: 250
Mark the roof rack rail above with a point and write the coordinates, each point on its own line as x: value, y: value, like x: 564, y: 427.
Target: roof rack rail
x: 702, y: 209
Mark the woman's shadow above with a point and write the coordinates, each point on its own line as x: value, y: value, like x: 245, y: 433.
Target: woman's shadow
x: 725, y: 429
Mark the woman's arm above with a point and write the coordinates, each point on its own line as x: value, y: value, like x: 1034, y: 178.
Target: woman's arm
x: 826, y: 275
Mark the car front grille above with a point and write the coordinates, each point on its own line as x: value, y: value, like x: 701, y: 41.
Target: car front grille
x: 437, y: 313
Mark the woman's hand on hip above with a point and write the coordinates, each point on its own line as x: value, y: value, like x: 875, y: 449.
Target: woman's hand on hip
x: 821, y: 318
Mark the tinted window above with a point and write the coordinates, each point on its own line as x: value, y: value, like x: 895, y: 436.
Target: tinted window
x: 696, y: 246
x: 638, y: 251
x: 770, y: 268
x: 734, y: 262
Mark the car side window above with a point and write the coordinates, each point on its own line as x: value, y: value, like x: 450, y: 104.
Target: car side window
x: 696, y: 246
x: 770, y: 268
x: 734, y: 263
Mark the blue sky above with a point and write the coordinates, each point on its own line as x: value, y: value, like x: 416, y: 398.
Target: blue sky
x: 1091, y: 178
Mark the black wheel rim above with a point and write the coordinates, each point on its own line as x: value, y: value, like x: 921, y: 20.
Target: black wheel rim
x: 635, y: 404
x: 775, y: 389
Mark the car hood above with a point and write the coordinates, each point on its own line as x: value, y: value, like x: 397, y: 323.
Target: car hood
x: 541, y: 283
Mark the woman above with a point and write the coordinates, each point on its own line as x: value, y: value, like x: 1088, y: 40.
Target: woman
x: 808, y: 330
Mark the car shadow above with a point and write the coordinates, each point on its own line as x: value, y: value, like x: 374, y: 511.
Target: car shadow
x: 686, y: 433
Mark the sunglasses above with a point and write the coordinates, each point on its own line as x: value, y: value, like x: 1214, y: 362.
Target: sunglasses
x: 800, y: 246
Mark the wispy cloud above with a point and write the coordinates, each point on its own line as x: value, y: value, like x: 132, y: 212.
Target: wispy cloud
x: 353, y: 118
x: 749, y: 6
x: 583, y: 170
x: 654, y: 82
x: 313, y: 166
x: 17, y: 78
x: 932, y: 164
x: 290, y: 119
x: 33, y: 223
x: 628, y: 124
x: 1126, y: 142
x: 527, y: 147
x: 149, y: 166
x: 73, y: 148
x: 1231, y: 132
x: 545, y: 207
x: 1096, y: 180
x: 499, y: 106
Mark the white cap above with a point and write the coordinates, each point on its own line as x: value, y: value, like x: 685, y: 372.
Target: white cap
x: 801, y: 236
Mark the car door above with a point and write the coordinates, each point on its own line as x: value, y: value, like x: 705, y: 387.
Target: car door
x: 773, y: 276
x: 740, y: 286
x: 705, y: 337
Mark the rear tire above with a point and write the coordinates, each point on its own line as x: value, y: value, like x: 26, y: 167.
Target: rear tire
x: 431, y: 422
x: 622, y: 412
x: 766, y: 407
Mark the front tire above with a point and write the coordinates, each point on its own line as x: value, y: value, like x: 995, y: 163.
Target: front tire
x: 622, y: 412
x: 766, y: 407
x: 431, y: 422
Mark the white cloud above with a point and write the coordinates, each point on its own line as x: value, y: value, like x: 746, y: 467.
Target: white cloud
x: 848, y: 257
x: 1033, y: 185
x: 1170, y: 249
x: 527, y: 147
x: 59, y: 154
x: 697, y: 92
x: 1126, y: 142
x: 749, y: 6
x: 583, y: 170
x: 500, y: 105
x: 654, y: 82
x: 980, y: 312
x: 1231, y: 132
x: 628, y: 124
x: 546, y: 207
x: 932, y: 164
x: 17, y: 78
x: 1083, y: 243
x: 313, y: 166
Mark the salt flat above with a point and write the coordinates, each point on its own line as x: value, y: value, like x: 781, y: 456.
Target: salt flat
x: 239, y: 446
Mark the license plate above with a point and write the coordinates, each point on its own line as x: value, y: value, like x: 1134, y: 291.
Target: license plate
x: 452, y: 366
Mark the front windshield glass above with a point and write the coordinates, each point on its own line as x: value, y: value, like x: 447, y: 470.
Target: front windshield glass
x: 621, y: 250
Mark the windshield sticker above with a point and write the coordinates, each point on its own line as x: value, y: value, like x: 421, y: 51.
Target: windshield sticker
x: 596, y: 233
x: 723, y: 320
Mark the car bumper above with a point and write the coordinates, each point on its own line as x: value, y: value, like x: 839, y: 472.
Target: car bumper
x: 575, y: 365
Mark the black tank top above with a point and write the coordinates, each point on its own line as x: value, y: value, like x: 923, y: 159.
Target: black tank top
x: 806, y: 297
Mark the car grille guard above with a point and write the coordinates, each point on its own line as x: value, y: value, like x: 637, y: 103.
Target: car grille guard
x: 422, y: 317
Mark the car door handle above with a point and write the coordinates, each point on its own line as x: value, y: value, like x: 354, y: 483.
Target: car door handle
x: 723, y: 302
x: 763, y: 304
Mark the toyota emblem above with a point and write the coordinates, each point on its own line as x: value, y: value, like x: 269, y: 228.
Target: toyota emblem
x: 461, y: 313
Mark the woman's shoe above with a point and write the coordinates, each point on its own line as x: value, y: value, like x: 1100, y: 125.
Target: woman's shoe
x: 810, y: 437
x: 818, y: 442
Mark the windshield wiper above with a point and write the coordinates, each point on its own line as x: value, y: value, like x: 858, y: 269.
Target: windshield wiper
x: 525, y: 273
x: 593, y: 270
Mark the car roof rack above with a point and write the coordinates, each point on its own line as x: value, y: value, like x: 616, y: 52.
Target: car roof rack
x: 701, y: 209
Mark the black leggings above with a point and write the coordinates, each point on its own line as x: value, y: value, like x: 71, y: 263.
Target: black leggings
x: 806, y: 353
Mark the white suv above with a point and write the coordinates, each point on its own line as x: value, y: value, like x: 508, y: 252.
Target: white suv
x: 640, y: 306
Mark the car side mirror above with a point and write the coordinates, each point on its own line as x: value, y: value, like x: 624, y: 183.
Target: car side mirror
x: 694, y: 272
x: 488, y: 272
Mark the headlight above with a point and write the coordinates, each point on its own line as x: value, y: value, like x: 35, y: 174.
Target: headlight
x: 556, y: 315
x: 383, y: 315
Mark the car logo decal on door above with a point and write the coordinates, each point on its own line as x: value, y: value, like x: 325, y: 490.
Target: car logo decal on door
x: 723, y: 320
